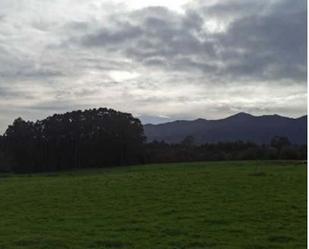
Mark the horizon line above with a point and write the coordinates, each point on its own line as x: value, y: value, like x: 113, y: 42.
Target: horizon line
x: 236, y: 114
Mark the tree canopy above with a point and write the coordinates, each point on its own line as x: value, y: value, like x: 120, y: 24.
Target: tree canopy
x: 105, y: 137
x: 90, y: 138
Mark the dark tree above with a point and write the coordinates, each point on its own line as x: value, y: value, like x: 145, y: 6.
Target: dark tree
x: 90, y: 138
x: 104, y: 137
x: 188, y: 141
x: 279, y: 143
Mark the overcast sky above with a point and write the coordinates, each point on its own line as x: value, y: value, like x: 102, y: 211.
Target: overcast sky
x: 160, y: 60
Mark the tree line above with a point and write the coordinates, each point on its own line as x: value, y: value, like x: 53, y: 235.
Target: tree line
x: 105, y: 137
x: 186, y: 151
x: 78, y: 139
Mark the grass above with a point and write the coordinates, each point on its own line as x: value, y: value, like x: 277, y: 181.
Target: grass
x: 250, y: 205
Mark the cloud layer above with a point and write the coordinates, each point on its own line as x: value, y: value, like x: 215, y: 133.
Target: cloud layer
x: 202, y: 60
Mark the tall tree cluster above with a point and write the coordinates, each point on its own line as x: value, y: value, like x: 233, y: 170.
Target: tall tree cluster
x: 91, y: 138
x: 105, y: 137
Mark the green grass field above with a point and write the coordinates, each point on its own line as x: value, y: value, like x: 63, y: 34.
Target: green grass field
x: 250, y: 205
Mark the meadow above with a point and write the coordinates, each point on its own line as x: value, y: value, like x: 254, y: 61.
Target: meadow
x: 220, y: 205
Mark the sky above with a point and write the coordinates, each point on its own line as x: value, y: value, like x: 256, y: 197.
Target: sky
x: 159, y: 60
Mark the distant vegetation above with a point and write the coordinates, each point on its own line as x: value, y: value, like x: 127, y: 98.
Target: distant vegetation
x: 242, y: 126
x: 78, y: 139
x: 104, y: 137
x: 186, y: 151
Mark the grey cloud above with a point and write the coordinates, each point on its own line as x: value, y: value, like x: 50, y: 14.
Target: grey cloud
x: 18, y: 66
x: 113, y: 37
x: 272, y: 46
x: 146, y: 119
x: 181, y: 65
x: 160, y: 33
x: 9, y: 93
x: 234, y: 9
x: 266, y: 42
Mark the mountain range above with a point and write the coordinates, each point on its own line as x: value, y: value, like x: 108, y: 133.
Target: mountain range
x: 242, y: 126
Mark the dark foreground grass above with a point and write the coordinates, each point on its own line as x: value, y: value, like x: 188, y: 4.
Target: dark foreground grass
x: 194, y: 205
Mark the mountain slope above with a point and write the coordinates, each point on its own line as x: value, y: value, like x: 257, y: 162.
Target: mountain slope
x: 242, y: 126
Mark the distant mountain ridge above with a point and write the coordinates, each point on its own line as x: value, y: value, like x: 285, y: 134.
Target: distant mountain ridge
x: 241, y: 126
